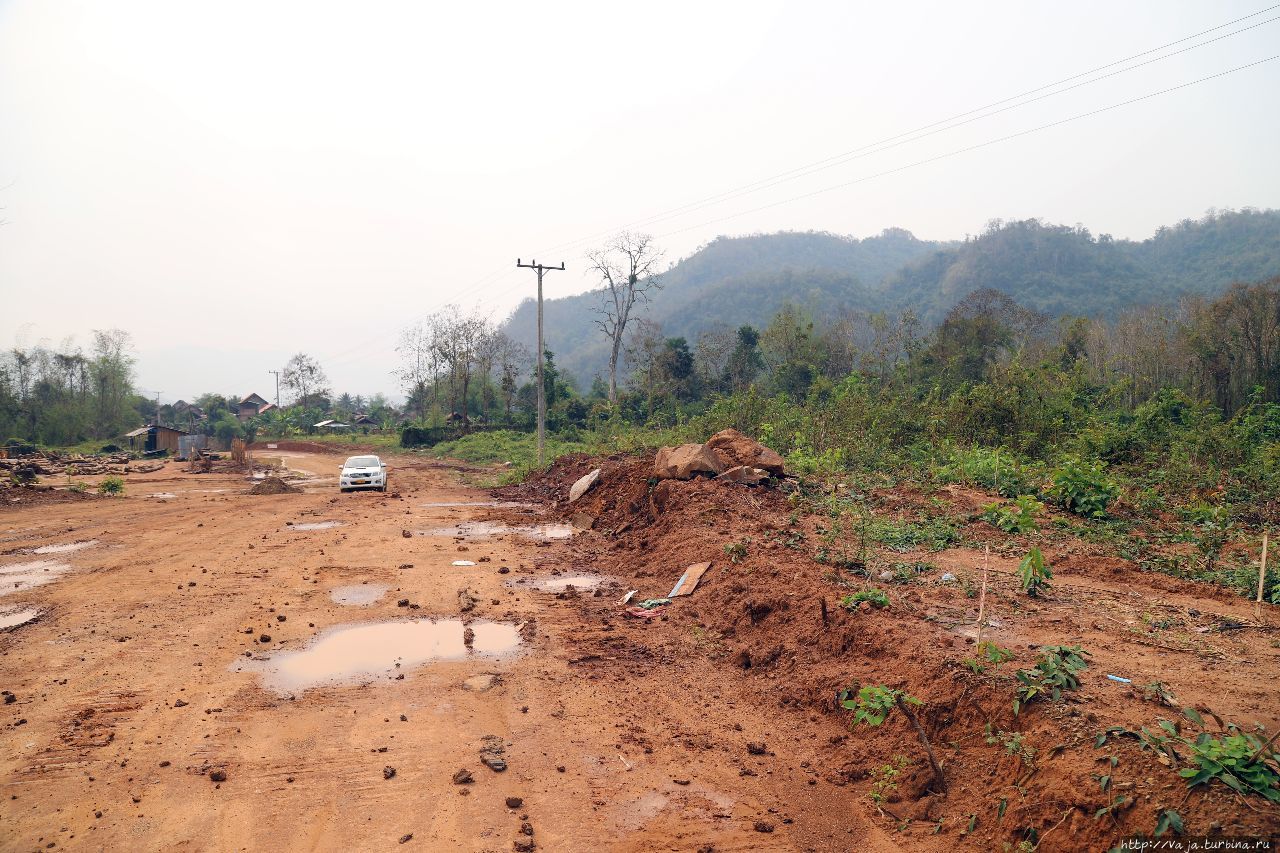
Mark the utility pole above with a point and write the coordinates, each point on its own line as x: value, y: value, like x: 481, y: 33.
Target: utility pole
x: 157, y: 408
x: 277, y: 373
x: 542, y: 388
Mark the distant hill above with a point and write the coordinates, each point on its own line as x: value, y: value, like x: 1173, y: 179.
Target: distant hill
x: 1057, y: 269
x: 729, y: 282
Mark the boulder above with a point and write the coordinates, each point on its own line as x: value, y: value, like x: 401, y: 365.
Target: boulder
x: 584, y: 485
x: 685, y: 462
x: 733, y: 448
x: 745, y: 475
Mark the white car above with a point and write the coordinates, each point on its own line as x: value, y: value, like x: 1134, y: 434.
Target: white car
x: 363, y: 472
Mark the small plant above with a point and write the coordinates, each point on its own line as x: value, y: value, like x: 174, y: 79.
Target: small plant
x: 885, y: 779
x: 1082, y: 487
x: 1034, y: 574
x: 1016, y: 517
x: 737, y: 551
x: 111, y: 486
x: 1169, y: 820
x: 987, y: 653
x: 79, y: 487
x: 1054, y: 672
x: 872, y: 705
x: 874, y: 597
x: 1014, y: 744
x: 1210, y: 530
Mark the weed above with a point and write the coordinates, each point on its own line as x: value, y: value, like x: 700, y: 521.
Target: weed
x: 874, y: 597
x: 1014, y: 744
x: 1169, y: 819
x: 111, y: 486
x: 1054, y: 672
x: 1158, y: 691
x: 79, y: 487
x: 1240, y: 760
x: 988, y: 653
x: 1210, y: 530
x: 1016, y: 517
x: 934, y: 534
x: 885, y: 779
x: 873, y: 703
x: 737, y: 551
x: 1034, y: 574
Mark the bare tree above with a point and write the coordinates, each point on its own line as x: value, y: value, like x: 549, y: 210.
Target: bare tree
x: 420, y: 365
x: 304, y: 375
x: 627, y: 267
x: 456, y: 338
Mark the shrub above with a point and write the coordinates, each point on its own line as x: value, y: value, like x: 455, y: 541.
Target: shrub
x: 1016, y: 517
x: 1083, y: 488
x: 111, y: 486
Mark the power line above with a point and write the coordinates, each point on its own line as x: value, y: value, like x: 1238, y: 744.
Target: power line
x: 869, y: 149
x: 969, y: 148
x: 801, y: 171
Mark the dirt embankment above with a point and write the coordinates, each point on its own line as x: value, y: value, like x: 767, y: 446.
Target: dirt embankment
x: 770, y: 613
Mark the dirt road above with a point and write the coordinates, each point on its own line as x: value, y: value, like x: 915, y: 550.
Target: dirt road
x: 197, y: 636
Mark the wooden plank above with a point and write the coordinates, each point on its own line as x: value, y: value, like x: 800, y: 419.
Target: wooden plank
x: 689, y: 580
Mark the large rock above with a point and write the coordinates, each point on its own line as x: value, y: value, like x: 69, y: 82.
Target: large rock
x: 733, y: 448
x: 745, y: 475
x: 584, y: 485
x: 685, y: 462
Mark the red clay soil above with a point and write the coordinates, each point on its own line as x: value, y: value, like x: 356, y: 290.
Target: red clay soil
x: 19, y: 497
x: 774, y: 619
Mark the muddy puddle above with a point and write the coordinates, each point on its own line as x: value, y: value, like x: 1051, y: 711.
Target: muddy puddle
x: 559, y: 583
x: 18, y: 577
x: 358, y: 595
x: 314, y: 525
x: 492, y: 529
x: 164, y: 496
x: 14, y: 618
x: 379, y: 650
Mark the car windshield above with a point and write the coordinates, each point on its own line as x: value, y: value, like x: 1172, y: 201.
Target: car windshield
x: 363, y: 462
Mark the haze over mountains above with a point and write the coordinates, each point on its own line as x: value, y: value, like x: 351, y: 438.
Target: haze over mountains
x: 1057, y: 269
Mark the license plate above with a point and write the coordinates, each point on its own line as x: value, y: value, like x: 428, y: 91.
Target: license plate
x: 359, y: 482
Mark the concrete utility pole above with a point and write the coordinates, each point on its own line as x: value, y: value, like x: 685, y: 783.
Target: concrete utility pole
x: 542, y: 388
x: 277, y: 373
x: 157, y: 408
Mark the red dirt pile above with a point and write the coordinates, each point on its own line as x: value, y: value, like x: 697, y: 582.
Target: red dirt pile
x: 273, y: 486
x: 771, y: 612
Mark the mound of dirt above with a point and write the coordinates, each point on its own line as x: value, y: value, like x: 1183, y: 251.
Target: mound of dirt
x: 17, y: 497
x: 274, y: 486
x: 778, y: 610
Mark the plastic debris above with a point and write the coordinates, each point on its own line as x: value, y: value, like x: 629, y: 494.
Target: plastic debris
x: 651, y: 603
x: 1119, y: 679
x: 463, y: 563
x: 626, y: 599
x: 947, y: 577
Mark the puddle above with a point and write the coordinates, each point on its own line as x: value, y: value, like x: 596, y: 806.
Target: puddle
x: 559, y: 583
x: 65, y: 548
x: 358, y: 595
x: 162, y: 495
x: 18, y: 577
x: 314, y: 525
x: 378, y: 650
x: 14, y: 618
x: 489, y: 504
x: 490, y: 529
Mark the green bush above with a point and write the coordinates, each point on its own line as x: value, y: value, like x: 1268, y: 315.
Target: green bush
x: 1082, y: 487
x: 875, y: 597
x: 1016, y: 517
x: 111, y: 486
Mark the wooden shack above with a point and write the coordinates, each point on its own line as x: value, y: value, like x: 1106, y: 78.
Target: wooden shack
x: 154, y: 437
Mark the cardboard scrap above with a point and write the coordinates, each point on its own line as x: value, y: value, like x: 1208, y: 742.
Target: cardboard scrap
x: 689, y: 580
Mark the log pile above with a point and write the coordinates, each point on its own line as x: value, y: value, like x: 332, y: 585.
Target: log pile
x: 53, y: 463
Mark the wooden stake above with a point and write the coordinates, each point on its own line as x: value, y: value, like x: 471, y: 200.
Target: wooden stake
x: 982, y: 599
x: 1262, y: 568
x: 1262, y: 575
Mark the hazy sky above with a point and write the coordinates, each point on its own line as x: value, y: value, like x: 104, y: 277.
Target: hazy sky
x: 234, y: 182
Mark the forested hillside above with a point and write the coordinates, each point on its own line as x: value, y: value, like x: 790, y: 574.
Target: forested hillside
x: 732, y: 281
x: 1057, y: 269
